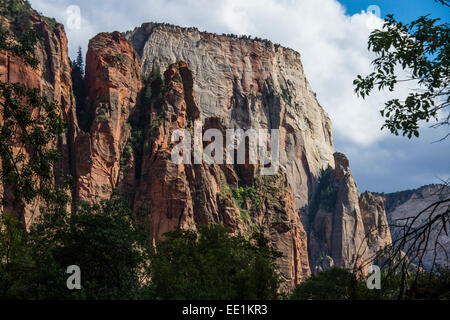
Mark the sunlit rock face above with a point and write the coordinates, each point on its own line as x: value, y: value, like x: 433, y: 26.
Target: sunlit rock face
x: 165, y: 194
x: 52, y: 77
x: 113, y: 81
x: 248, y: 84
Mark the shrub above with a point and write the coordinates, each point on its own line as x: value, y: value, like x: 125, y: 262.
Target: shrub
x: 214, y: 265
x: 102, y: 118
x: 332, y: 284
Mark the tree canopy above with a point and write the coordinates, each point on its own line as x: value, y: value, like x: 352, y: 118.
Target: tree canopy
x: 212, y: 264
x: 421, y: 49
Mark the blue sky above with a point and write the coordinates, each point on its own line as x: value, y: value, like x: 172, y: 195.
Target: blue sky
x: 404, y: 10
x: 331, y: 37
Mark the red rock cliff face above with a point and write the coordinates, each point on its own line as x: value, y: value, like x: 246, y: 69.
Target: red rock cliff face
x: 172, y: 195
x: 113, y: 82
x: 163, y: 194
x: 375, y: 221
x: 52, y: 77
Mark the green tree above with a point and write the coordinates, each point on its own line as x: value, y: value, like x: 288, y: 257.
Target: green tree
x: 79, y: 91
x: 30, y: 125
x: 18, y: 13
x: 102, y: 240
x: 421, y: 49
x: 14, y: 257
x: 341, y: 284
x: 332, y: 284
x: 79, y: 63
x: 111, y: 251
x: 433, y: 285
x: 29, y: 128
x: 212, y: 264
x: 153, y: 89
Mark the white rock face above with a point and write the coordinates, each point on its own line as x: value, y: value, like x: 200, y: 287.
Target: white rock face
x: 249, y: 84
x: 409, y: 204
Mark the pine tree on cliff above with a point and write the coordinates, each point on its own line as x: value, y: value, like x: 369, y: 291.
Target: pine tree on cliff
x: 79, y: 89
x: 79, y: 62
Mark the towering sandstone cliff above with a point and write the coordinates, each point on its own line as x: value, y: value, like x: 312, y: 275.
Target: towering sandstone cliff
x: 256, y: 84
x: 159, y: 78
x: 248, y: 84
x: 113, y: 83
x: 52, y: 77
x: 128, y: 148
x: 225, y: 82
